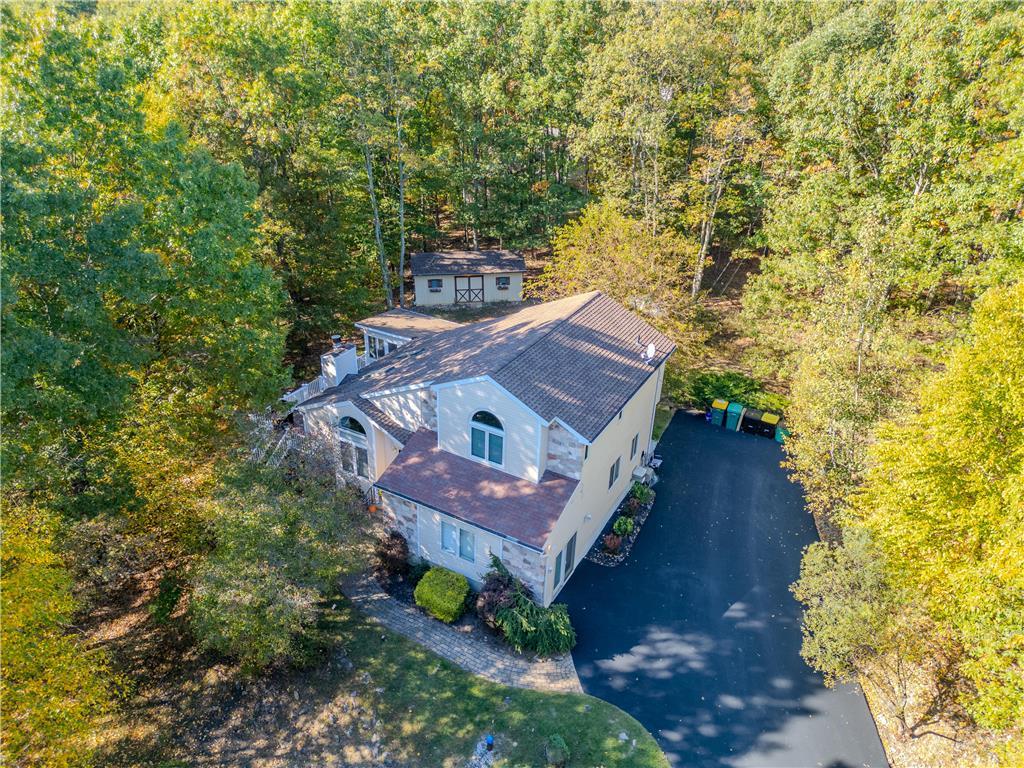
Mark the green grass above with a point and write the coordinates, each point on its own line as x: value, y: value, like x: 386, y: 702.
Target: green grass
x: 662, y: 416
x: 432, y: 713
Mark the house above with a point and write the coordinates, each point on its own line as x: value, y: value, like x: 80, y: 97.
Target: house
x: 443, y: 278
x: 516, y: 436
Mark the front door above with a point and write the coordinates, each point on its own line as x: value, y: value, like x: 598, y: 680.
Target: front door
x: 469, y: 289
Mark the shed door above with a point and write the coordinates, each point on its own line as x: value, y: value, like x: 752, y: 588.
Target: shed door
x: 469, y: 289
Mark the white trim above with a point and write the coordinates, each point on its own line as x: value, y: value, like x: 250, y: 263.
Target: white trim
x: 396, y: 390
x: 487, y: 430
x: 388, y: 335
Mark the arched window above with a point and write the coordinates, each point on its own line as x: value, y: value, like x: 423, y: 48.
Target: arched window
x: 347, y: 422
x: 487, y: 437
x: 354, y: 451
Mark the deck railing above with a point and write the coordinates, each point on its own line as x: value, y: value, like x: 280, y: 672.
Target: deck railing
x: 306, y: 391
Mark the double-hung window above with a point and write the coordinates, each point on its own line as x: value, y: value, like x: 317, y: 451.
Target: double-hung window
x: 633, y: 446
x: 566, y: 557
x: 434, y: 285
x: 458, y: 541
x: 613, y: 472
x: 487, y: 438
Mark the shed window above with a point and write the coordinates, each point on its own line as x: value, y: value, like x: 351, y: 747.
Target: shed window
x: 434, y: 285
x: 502, y: 283
x: 487, y: 437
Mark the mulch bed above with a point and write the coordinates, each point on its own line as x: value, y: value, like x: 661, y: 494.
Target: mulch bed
x: 469, y: 623
x: 599, y: 555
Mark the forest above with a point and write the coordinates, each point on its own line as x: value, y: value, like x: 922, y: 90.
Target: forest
x: 196, y: 195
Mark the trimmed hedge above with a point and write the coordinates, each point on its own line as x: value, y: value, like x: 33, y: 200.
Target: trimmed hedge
x: 442, y: 593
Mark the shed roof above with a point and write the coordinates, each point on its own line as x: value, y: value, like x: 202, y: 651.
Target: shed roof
x: 466, y: 262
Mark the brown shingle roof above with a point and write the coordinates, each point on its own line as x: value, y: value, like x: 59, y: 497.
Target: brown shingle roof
x: 576, y: 359
x: 478, y: 494
x: 466, y: 262
x: 406, y: 323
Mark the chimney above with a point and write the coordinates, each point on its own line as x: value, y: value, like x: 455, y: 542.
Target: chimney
x: 340, y: 362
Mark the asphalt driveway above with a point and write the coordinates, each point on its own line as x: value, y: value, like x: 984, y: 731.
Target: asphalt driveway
x: 697, y: 634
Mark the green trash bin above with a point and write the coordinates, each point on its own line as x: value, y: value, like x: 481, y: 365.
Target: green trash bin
x: 734, y: 415
x: 781, y: 433
x: 718, y: 412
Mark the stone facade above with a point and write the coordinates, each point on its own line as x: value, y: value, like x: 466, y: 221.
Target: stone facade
x: 565, y: 454
x: 400, y: 514
x: 525, y: 564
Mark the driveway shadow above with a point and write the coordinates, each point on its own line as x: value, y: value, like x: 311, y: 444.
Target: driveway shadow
x: 697, y: 634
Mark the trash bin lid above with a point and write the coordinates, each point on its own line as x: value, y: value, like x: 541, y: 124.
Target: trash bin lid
x: 753, y: 414
x: 770, y: 418
x: 721, y: 405
x: 735, y: 408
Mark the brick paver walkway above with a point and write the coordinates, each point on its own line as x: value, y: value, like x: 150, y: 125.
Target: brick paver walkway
x: 555, y: 674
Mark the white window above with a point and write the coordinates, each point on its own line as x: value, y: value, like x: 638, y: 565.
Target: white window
x: 449, y: 537
x: 377, y: 347
x: 613, y: 473
x: 353, y: 448
x: 467, y: 545
x: 456, y: 540
x: 487, y: 438
x: 633, y: 445
x: 568, y: 556
x: 434, y: 285
x: 502, y: 283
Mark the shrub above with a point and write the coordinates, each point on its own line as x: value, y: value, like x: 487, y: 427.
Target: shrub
x: 642, y: 493
x: 612, y: 542
x: 556, y: 752
x: 442, y: 593
x: 623, y: 526
x: 497, y: 593
x: 527, y: 626
x: 632, y: 506
x: 728, y: 385
x: 391, y: 556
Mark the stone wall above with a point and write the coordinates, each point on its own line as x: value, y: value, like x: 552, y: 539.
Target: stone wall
x: 565, y: 453
x: 400, y: 514
x: 525, y: 564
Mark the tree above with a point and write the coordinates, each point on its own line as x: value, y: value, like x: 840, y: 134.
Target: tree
x: 278, y: 549
x: 943, y: 501
x: 607, y: 251
x: 54, y: 688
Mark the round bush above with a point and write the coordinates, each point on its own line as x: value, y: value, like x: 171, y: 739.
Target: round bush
x: 442, y: 593
x: 623, y: 526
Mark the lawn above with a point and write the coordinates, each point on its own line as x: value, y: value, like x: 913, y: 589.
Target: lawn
x: 434, y: 713
x: 662, y: 416
x: 370, y: 698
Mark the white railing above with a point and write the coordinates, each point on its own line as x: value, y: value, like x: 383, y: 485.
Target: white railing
x: 364, y: 360
x: 306, y: 391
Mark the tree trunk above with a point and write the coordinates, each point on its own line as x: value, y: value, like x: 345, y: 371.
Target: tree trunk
x: 381, y: 256
x: 401, y: 212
